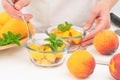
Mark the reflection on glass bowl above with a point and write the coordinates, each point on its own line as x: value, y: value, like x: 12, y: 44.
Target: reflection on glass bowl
x: 73, y: 36
x: 47, y: 57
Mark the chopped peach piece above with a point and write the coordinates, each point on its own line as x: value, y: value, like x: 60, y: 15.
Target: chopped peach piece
x: 44, y: 61
x: 59, y: 55
x: 36, y: 55
x: 34, y: 46
x: 77, y: 41
x: 66, y: 34
x: 50, y: 57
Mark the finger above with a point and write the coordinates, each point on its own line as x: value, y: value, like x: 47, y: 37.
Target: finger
x: 90, y: 20
x: 15, y: 13
x: 98, y: 28
x: 27, y: 16
x: 86, y: 43
x: 10, y: 9
x: 21, y: 3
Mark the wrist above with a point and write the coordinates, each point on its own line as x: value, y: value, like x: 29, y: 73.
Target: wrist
x: 109, y: 3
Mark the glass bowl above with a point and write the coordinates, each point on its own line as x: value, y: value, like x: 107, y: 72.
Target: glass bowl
x: 77, y: 33
x: 45, y: 58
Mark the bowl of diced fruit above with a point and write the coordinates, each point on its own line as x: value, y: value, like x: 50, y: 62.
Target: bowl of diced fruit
x: 47, y: 50
x: 71, y: 34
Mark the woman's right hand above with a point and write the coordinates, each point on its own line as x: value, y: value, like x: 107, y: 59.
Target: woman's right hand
x: 14, y: 10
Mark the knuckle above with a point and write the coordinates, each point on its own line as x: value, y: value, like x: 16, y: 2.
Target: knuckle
x: 24, y: 3
x: 94, y: 13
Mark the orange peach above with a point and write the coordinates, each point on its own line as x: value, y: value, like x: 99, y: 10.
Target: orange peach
x: 4, y: 18
x: 17, y: 27
x: 106, y: 42
x: 81, y: 63
x: 114, y: 66
x: 0, y: 26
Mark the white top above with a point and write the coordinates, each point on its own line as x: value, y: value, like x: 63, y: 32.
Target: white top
x: 53, y: 12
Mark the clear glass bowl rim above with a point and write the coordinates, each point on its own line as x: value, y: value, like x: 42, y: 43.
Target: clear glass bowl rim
x: 39, y: 51
x: 73, y: 37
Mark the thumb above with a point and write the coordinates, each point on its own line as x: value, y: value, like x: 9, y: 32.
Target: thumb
x: 21, y: 3
x: 90, y: 21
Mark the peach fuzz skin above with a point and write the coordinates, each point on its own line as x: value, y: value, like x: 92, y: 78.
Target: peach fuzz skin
x: 114, y: 66
x: 106, y: 42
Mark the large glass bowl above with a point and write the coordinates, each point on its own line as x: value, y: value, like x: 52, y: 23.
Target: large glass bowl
x: 45, y: 58
x: 74, y: 41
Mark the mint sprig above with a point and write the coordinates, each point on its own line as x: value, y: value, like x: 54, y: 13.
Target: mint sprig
x: 54, y: 42
x: 10, y: 38
x: 64, y: 27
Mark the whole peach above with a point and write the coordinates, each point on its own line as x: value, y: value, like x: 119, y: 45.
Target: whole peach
x: 114, y: 66
x: 106, y: 42
x: 81, y: 64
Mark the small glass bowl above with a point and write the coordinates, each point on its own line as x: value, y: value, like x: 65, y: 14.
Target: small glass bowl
x: 74, y: 41
x: 45, y: 58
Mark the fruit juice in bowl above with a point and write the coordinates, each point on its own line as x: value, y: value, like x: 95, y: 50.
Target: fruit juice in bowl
x: 44, y: 52
x: 71, y: 34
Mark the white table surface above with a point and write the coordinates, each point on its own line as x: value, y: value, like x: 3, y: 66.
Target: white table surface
x: 16, y: 65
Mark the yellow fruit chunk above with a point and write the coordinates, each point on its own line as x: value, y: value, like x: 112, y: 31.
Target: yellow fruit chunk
x: 59, y: 55
x: 58, y: 32
x: 50, y: 57
x: 43, y: 48
x: 65, y: 34
x: 17, y: 27
x: 4, y: 18
x: 34, y: 46
x: 48, y: 49
x: 77, y: 41
x: 37, y: 55
x: 46, y: 62
x: 71, y: 30
x: 75, y: 33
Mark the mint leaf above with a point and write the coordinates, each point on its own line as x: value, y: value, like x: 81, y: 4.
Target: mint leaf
x: 10, y: 38
x: 17, y: 42
x: 54, y: 42
x: 61, y: 27
x: 18, y: 36
x: 5, y: 36
x: 59, y: 43
x: 50, y: 40
x: 54, y: 47
x: 52, y: 36
x: 64, y: 27
x: 68, y: 25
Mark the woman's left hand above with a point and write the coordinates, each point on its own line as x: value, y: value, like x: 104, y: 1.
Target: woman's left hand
x: 100, y: 15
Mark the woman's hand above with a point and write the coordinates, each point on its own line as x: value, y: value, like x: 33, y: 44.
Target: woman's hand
x: 14, y: 10
x: 100, y: 15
